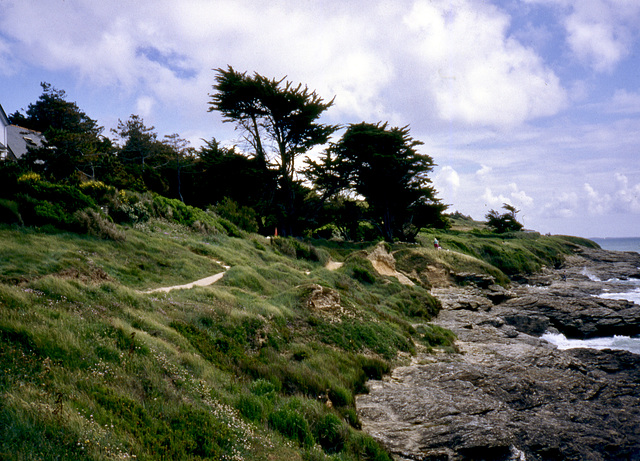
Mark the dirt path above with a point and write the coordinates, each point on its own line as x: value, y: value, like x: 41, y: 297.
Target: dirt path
x: 331, y: 265
x: 334, y: 265
x: 198, y: 283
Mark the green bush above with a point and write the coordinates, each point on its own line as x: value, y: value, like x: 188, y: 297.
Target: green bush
x: 9, y: 212
x: 264, y: 388
x: 290, y: 423
x: 242, y: 216
x: 331, y: 433
x: 363, y: 447
x: 176, y: 211
x: 295, y: 248
x: 251, y: 407
x: 436, y: 336
x: 97, y: 224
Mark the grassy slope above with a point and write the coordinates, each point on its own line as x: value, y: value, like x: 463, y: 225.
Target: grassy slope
x: 90, y: 368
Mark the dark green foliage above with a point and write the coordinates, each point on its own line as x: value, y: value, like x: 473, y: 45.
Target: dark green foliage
x: 383, y: 166
x: 242, y: 216
x: 224, y: 343
x: 274, y: 114
x: 73, y: 140
x: 190, y: 432
x: 251, y: 407
x: 9, y: 212
x: 41, y: 202
x: 331, y: 433
x: 290, y: 423
x: 363, y: 275
x: 375, y: 368
x: 415, y: 303
x: 297, y: 249
x: 355, y: 335
x: 435, y: 336
x: 363, y: 447
x: 505, y: 222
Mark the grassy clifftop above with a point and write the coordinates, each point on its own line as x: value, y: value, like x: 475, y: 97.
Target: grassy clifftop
x: 264, y: 364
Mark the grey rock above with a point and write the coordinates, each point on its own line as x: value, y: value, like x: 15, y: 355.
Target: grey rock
x: 510, y: 395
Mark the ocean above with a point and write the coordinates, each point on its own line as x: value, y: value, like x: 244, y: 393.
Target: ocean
x: 619, y: 244
x: 627, y: 289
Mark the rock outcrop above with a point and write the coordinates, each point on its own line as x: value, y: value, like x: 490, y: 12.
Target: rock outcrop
x: 510, y: 395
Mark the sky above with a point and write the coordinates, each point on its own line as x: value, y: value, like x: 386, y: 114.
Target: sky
x: 534, y: 103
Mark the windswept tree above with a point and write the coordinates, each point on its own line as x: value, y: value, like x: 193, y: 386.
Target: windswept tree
x: 74, y: 141
x: 180, y: 155
x: 505, y: 222
x: 279, y: 120
x: 382, y: 165
x: 141, y: 154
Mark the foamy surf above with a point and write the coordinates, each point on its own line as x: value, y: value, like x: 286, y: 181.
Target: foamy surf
x: 618, y: 342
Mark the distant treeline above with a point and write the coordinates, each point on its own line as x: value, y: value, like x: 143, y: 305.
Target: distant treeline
x: 371, y: 183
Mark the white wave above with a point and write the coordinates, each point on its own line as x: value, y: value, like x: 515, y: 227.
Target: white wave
x: 618, y: 342
x: 587, y: 273
x: 633, y: 295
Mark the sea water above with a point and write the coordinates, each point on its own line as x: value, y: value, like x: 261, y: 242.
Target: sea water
x: 619, y: 244
x: 625, y: 289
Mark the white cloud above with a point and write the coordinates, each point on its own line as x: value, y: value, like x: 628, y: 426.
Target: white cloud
x: 597, y: 203
x: 494, y: 201
x: 447, y: 182
x: 624, y: 102
x: 600, y: 33
x: 566, y: 206
x: 627, y: 197
x: 594, y: 42
x: 520, y: 197
x: 144, y: 106
x: 484, y: 170
x: 477, y: 73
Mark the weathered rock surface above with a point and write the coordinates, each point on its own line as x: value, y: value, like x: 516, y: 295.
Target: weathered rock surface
x: 510, y: 394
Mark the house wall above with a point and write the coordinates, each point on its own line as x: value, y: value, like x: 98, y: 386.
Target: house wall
x: 4, y: 122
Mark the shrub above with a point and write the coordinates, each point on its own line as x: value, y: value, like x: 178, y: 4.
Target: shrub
x: 363, y: 447
x: 44, y: 203
x: 330, y: 433
x: 9, y: 212
x: 415, y: 303
x: 435, y: 336
x: 294, y: 248
x: 262, y: 387
x: 363, y: 275
x: 290, y: 423
x: 251, y: 407
x: 97, y: 224
x: 98, y: 190
x: 29, y: 177
x: 242, y: 216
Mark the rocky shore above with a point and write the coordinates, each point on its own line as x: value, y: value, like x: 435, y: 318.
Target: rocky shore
x: 509, y: 395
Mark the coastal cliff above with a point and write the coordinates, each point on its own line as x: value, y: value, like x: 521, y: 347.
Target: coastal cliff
x: 509, y: 395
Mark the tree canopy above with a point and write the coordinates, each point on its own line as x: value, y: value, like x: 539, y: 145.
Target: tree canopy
x: 505, y: 222
x: 74, y: 141
x: 279, y: 121
x: 372, y: 182
x: 382, y: 165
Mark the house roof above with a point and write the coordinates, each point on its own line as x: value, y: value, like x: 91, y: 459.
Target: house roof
x: 3, y: 117
x: 20, y: 139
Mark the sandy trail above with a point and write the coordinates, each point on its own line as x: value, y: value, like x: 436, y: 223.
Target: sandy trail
x: 198, y: 283
x: 331, y: 265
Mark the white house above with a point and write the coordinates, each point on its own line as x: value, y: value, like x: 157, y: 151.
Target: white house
x: 4, y: 123
x: 15, y: 140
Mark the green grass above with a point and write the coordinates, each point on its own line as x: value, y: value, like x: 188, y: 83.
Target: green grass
x: 92, y: 368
